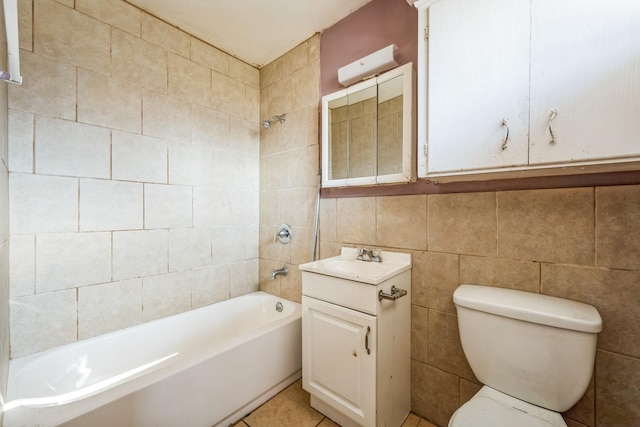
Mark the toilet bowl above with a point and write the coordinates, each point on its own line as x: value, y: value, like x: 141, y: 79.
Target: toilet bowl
x: 533, y: 353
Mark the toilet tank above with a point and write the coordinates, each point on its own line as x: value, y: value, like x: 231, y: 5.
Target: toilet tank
x: 537, y: 348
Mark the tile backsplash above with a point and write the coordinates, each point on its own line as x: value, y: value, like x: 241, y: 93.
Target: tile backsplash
x: 133, y: 178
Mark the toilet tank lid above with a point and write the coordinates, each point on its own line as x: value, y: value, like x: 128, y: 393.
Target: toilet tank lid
x: 530, y: 307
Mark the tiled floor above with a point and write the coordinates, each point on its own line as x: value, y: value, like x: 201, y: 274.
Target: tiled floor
x: 291, y: 407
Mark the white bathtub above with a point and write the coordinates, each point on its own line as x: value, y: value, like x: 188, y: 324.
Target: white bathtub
x: 205, y: 367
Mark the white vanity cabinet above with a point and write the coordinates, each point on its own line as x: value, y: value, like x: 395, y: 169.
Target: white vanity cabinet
x: 530, y: 87
x: 356, y: 349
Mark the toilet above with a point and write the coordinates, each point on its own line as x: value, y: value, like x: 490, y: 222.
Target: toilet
x: 533, y: 353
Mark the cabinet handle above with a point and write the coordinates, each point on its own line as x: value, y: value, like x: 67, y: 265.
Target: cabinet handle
x: 366, y: 340
x: 505, y: 122
x: 553, y: 115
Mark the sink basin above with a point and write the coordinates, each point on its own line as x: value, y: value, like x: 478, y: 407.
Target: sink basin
x: 347, y: 266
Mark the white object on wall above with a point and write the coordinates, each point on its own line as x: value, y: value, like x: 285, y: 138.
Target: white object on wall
x: 369, y: 66
x: 13, y: 47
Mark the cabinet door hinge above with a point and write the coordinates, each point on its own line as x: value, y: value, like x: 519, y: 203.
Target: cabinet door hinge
x: 426, y: 33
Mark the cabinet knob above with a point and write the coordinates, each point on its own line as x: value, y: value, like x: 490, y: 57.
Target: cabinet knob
x: 505, y: 123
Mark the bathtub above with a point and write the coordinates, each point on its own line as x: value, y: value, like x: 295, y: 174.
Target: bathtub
x: 208, y: 366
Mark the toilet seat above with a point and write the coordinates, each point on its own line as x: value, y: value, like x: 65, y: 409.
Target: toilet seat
x: 491, y: 408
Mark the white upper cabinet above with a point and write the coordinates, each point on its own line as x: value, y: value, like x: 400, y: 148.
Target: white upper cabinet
x: 478, y: 84
x: 533, y: 86
x: 585, y: 80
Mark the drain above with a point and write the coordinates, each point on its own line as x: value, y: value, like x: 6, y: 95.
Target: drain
x: 279, y: 306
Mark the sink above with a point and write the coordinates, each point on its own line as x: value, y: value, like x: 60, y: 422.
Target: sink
x: 347, y: 266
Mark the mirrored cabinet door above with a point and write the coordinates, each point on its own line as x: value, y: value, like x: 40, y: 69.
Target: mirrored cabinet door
x: 368, y: 131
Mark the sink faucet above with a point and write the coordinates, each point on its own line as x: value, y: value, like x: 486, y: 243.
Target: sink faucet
x: 368, y: 256
x: 279, y: 272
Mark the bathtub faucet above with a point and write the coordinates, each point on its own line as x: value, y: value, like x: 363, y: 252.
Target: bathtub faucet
x: 279, y: 272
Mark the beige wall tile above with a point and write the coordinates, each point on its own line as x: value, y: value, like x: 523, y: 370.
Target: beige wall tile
x: 20, y: 141
x: 25, y: 24
x: 189, y: 81
x: 22, y: 265
x: 165, y: 35
x: 293, y: 206
x: 138, y: 158
x: 125, y: 310
x: 291, y: 287
x: 274, y: 250
x: 189, y: 248
x: 304, y: 166
x: 140, y: 253
x: 165, y: 294
x: 209, y: 56
x: 463, y: 223
x: 42, y: 204
x: 270, y: 140
x: 211, y: 207
x: 244, y: 72
x: 210, y: 128
x: 68, y: 260
x: 547, y: 225
x: 278, y: 168
x: 467, y: 390
x: 314, y: 48
x: 356, y: 220
x: 69, y: 3
x: 296, y: 58
x: 419, y: 333
x: 503, y: 273
x: 228, y: 245
x: 327, y: 226
x: 613, y: 292
x: 228, y: 95
x: 246, y: 137
x: 434, y: 278
x: 243, y: 277
x: 138, y: 61
x: 48, y: 87
x: 69, y: 36
x: 229, y: 167
x: 167, y: 206
x: 266, y: 284
x: 72, y: 149
x: 401, y: 222
x: 617, y: 392
x: 115, y: 12
x: 301, y: 246
x: 56, y: 325
x: 244, y: 207
x: 434, y: 393
x: 271, y: 73
x: 294, y: 130
x: 279, y: 97
x: 110, y: 205
x: 109, y: 103
x: 618, y: 227
x: 445, y: 348
x: 269, y: 207
x: 165, y: 117
x: 209, y: 285
x: 252, y: 101
x: 304, y: 83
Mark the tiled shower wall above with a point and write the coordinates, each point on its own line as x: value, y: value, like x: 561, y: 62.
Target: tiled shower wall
x: 4, y: 226
x: 134, y: 184
x: 578, y: 243
x: 289, y: 164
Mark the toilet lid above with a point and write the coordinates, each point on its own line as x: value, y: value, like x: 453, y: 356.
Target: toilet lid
x: 482, y: 411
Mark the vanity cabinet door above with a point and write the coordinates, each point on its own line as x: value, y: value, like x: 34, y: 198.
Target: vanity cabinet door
x: 336, y: 366
x: 585, y: 80
x: 478, y: 84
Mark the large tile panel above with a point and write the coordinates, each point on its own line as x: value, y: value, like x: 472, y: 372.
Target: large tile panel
x: 401, y: 222
x: 618, y: 227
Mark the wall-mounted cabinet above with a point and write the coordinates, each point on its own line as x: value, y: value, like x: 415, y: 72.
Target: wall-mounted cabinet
x: 530, y: 87
x: 368, y: 134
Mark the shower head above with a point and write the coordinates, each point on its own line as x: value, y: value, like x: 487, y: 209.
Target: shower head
x: 267, y: 123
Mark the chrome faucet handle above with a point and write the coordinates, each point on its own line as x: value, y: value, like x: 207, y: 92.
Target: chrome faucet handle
x: 284, y: 234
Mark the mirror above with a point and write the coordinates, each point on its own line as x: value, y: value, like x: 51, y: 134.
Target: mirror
x: 368, y: 131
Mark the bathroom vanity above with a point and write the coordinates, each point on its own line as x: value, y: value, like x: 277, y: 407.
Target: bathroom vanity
x: 356, y: 328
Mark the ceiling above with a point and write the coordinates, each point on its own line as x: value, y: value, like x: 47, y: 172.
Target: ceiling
x: 255, y: 31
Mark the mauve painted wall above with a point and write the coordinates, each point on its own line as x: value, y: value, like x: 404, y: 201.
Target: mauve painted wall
x: 372, y: 27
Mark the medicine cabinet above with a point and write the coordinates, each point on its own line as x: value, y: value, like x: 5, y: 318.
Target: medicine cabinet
x: 368, y: 131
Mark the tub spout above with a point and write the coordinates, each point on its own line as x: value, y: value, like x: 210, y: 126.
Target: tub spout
x: 279, y: 272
